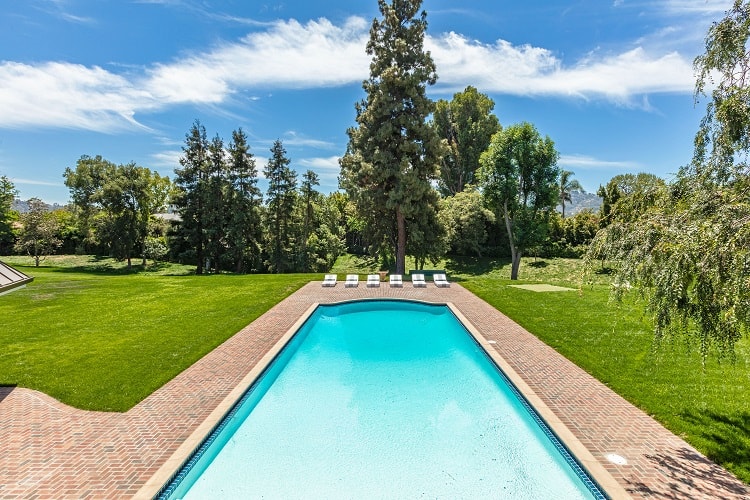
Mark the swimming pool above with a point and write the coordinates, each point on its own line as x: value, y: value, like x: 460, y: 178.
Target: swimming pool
x: 385, y: 399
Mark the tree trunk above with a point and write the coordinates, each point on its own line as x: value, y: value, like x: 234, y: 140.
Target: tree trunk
x: 401, y: 243
x: 130, y: 266
x: 515, y: 254
x: 515, y: 265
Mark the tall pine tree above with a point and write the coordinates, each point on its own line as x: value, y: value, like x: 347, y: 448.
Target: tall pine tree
x: 280, y: 197
x: 244, y: 228
x: 393, y: 154
x: 309, y: 180
x: 192, y: 193
x: 216, y: 206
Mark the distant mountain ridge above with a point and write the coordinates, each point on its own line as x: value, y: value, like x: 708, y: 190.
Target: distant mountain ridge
x: 22, y: 206
x: 581, y: 201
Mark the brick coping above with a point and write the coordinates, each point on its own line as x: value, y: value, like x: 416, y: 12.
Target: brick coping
x: 49, y: 450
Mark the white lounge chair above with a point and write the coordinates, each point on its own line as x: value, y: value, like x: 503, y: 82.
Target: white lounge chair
x: 440, y: 280
x: 418, y: 280
x: 329, y: 280
x: 352, y: 280
x: 396, y: 280
x: 373, y: 280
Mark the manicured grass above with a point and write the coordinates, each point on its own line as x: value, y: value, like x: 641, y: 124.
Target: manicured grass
x: 707, y: 406
x: 99, y: 338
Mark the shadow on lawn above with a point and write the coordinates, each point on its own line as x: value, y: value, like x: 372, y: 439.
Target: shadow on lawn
x: 727, y: 439
x: 106, y: 267
x: 472, y: 266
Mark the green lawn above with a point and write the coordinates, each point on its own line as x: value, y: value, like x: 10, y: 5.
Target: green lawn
x: 99, y: 338
x: 707, y: 406
x: 95, y: 336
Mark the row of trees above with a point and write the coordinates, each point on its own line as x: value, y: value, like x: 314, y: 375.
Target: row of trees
x: 225, y: 223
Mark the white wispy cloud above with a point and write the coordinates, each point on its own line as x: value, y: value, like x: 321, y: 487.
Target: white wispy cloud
x: 698, y: 6
x: 290, y: 55
x: 527, y: 70
x: 679, y: 7
x: 330, y: 163
x: 65, y: 95
x: 170, y: 158
x: 292, y: 138
x: 589, y: 162
x: 34, y: 182
x: 317, y: 54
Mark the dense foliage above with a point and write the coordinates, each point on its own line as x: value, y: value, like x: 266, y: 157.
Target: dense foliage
x: 115, y: 204
x: 466, y: 124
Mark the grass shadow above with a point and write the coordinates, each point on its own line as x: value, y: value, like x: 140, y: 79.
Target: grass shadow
x: 538, y: 264
x: 456, y: 266
x: 108, y: 267
x: 727, y: 439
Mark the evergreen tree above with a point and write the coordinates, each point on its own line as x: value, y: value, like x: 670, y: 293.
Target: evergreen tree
x: 393, y: 154
x: 217, y: 188
x: 280, y: 199
x: 467, y: 125
x: 191, y: 197
x: 309, y: 180
x: 244, y: 228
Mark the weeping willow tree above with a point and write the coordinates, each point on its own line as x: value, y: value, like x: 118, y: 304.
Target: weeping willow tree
x: 689, y: 251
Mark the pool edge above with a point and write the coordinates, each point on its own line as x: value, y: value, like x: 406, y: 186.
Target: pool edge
x: 585, y: 458
x: 182, y: 455
x: 172, y: 465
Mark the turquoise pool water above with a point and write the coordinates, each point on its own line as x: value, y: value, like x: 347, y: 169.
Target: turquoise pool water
x: 382, y: 399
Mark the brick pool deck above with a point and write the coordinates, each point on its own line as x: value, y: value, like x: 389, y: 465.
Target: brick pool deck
x: 49, y: 450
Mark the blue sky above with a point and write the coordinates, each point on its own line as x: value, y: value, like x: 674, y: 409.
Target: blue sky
x: 610, y: 81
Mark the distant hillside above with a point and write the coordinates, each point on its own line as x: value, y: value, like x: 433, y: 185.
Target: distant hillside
x: 22, y: 206
x: 581, y: 201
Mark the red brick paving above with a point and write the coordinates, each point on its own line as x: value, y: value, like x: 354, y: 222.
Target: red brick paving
x: 49, y: 450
